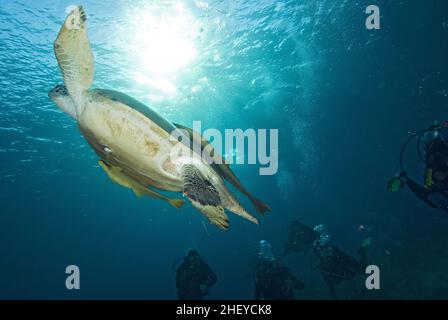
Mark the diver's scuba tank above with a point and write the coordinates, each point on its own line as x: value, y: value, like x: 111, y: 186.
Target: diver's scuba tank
x: 324, y: 237
x: 430, y: 133
x: 176, y: 262
x: 266, y: 251
x: 322, y: 243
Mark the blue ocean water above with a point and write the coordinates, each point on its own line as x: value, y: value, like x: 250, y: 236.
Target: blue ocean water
x: 343, y: 98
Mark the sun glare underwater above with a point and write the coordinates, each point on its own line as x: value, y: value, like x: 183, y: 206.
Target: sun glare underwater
x: 336, y: 99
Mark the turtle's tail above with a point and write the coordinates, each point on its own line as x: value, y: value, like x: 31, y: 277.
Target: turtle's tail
x: 260, y: 205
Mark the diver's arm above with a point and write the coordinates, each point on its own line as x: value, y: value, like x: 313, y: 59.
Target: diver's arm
x: 420, y: 192
x: 210, y: 276
x: 211, y: 279
x: 180, y: 276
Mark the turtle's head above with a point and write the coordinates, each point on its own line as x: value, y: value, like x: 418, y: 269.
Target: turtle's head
x: 62, y: 99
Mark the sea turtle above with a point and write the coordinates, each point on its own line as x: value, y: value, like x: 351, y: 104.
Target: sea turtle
x: 134, y: 142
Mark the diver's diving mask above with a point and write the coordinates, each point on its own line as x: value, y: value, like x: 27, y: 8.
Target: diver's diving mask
x: 441, y: 133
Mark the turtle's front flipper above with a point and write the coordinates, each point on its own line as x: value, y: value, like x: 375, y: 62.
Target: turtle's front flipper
x: 117, y: 175
x: 204, y: 196
x: 74, y: 55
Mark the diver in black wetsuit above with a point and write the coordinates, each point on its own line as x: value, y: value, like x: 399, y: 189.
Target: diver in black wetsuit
x: 335, y: 265
x: 434, y: 191
x: 194, y: 277
x: 273, y: 281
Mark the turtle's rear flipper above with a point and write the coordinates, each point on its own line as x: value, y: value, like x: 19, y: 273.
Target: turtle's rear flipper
x: 260, y: 205
x: 117, y: 175
x: 204, y: 196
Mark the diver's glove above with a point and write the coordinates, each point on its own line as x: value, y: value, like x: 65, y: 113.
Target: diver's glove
x: 397, y: 182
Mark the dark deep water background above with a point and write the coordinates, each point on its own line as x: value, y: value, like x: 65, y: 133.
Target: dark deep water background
x: 344, y: 99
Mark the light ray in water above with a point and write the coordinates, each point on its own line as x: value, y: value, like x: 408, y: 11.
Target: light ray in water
x: 163, y: 39
x: 205, y: 228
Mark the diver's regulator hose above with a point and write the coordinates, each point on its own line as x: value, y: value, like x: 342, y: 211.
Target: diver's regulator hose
x: 419, y: 135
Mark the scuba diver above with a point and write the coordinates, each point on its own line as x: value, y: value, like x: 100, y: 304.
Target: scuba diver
x: 194, y: 277
x: 273, y: 281
x: 300, y: 238
x: 335, y: 265
x: 434, y: 190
